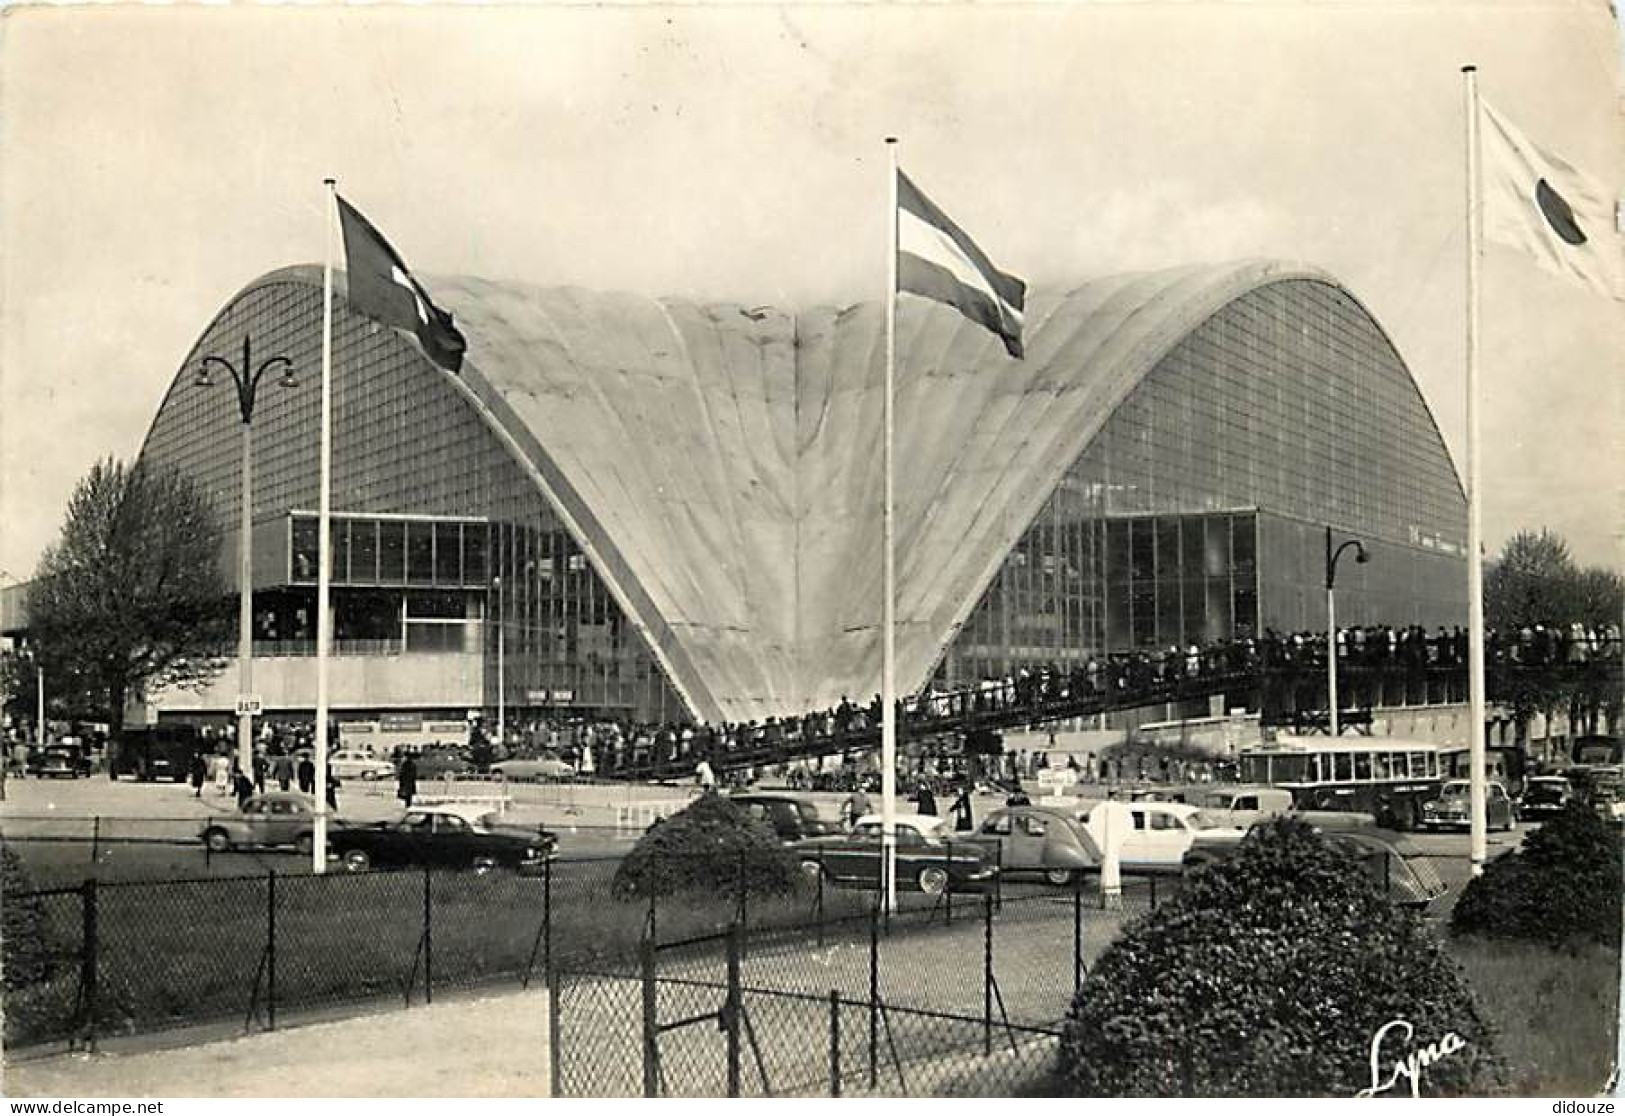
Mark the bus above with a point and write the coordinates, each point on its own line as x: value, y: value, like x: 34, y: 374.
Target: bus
x: 156, y: 752
x: 1503, y: 763
x: 1386, y: 778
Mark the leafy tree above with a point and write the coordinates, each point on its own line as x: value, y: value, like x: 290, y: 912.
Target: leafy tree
x: 131, y: 595
x: 18, y: 688
x: 1534, y: 581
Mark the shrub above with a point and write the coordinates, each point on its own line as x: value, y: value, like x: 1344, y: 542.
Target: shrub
x: 24, y: 951
x: 708, y: 847
x: 1269, y: 974
x: 1562, y: 886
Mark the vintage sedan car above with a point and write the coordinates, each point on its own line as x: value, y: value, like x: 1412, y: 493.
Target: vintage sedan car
x: 794, y: 817
x: 453, y: 835
x: 1161, y: 834
x: 276, y: 818
x: 1605, y: 791
x: 1452, y: 809
x: 1400, y: 870
x: 930, y: 858
x: 1039, y: 839
x: 348, y: 763
x: 56, y: 761
x: 546, y: 766
x: 1544, y: 796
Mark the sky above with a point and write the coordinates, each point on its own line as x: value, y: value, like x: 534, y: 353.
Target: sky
x: 153, y: 161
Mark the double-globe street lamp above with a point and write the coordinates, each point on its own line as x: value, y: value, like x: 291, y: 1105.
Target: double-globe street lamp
x: 246, y: 377
x: 1331, y: 621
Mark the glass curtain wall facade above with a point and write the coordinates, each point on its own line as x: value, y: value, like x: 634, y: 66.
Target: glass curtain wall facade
x: 1199, y: 511
x: 406, y: 443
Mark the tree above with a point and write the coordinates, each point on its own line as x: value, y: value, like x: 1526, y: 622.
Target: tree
x: 1534, y: 581
x: 131, y: 595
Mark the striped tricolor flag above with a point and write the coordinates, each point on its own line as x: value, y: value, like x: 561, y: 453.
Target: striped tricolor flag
x: 936, y: 259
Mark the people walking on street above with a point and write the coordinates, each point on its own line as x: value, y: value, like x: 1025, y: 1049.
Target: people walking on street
x: 283, y: 770
x: 262, y: 767
x: 307, y: 775
x: 220, y: 774
x: 406, y: 787
x: 196, y: 772
x: 332, y: 790
x: 925, y: 802
x: 244, y: 787
x: 855, y: 806
x: 964, y: 820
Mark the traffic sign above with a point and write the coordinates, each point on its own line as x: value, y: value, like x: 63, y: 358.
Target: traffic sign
x: 249, y: 704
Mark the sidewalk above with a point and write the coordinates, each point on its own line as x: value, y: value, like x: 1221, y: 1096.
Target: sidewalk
x: 492, y: 1046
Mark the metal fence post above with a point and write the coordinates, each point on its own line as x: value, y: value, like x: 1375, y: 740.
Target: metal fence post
x: 733, y: 1008
x: 547, y: 915
x: 270, y: 949
x: 88, y: 957
x: 95, y: 838
x: 739, y: 880
x: 428, y: 940
x: 1077, y: 932
x: 834, y: 1043
x: 554, y: 1045
x: 948, y: 892
x: 987, y: 975
x: 820, y: 899
x: 651, y: 1051
x: 874, y: 995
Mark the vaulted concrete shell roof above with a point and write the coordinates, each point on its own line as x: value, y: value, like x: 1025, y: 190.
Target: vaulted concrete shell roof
x: 721, y: 465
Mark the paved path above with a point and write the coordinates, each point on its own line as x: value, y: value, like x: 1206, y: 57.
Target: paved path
x: 494, y: 1046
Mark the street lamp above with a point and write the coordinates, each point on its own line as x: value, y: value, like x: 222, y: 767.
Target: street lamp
x: 246, y: 377
x: 502, y: 706
x: 1331, y: 620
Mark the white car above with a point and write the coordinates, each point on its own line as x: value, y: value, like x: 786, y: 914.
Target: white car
x: 348, y: 763
x: 547, y: 766
x: 1163, y: 833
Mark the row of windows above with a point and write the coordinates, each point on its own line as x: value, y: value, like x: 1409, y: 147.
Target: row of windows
x: 369, y: 551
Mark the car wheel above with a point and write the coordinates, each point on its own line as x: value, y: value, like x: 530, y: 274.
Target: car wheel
x: 1060, y: 877
x: 933, y: 880
x: 812, y: 870
x: 356, y: 860
x: 217, y: 840
x: 302, y: 844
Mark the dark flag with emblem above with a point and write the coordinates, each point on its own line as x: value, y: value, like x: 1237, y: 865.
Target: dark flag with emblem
x: 1536, y: 202
x: 382, y: 288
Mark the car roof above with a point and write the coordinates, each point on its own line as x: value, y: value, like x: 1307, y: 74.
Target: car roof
x: 468, y: 811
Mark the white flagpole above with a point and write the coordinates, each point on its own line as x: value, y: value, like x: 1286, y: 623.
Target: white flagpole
x: 324, y: 620
x: 888, y: 609
x: 1475, y: 518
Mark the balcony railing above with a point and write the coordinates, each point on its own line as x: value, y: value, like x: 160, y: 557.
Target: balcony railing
x: 294, y: 648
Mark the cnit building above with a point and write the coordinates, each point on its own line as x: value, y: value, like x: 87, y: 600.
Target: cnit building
x: 670, y: 509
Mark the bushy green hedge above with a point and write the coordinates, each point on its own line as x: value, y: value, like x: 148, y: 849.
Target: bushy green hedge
x: 1562, y: 886
x: 708, y: 848
x: 1268, y: 975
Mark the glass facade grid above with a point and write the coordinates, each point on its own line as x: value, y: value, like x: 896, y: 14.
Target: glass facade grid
x: 405, y: 442
x: 1286, y: 411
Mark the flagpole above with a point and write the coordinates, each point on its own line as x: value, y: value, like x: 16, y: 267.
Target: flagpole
x: 1475, y: 522
x: 888, y: 609
x: 324, y: 620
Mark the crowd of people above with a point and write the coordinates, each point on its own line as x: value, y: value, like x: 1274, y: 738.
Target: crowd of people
x: 611, y: 747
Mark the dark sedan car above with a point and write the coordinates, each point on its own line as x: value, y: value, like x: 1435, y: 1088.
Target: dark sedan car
x: 455, y: 835
x: 794, y: 817
x: 930, y: 858
x: 1397, y: 867
x: 1545, y: 796
x: 55, y: 761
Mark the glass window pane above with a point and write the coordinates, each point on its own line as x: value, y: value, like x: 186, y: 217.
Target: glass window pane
x: 420, y: 553
x: 474, y: 568
x: 364, y: 551
x: 304, y: 549
x: 1243, y: 541
x: 341, y: 550
x: 391, y: 551
x: 1217, y: 558
x: 448, y: 553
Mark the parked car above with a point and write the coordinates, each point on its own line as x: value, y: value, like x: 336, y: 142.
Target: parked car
x: 929, y: 857
x: 1544, y: 796
x: 276, y: 818
x: 546, y: 766
x: 1606, y: 794
x: 1397, y: 867
x: 1042, y: 840
x: 348, y: 763
x: 1242, y: 806
x: 794, y: 817
x: 454, y: 835
x: 1452, y: 809
x: 55, y: 761
x: 1162, y: 833
x: 434, y: 763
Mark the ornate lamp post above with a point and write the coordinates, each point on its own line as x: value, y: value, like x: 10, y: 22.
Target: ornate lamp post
x: 246, y: 378
x: 1331, y: 620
